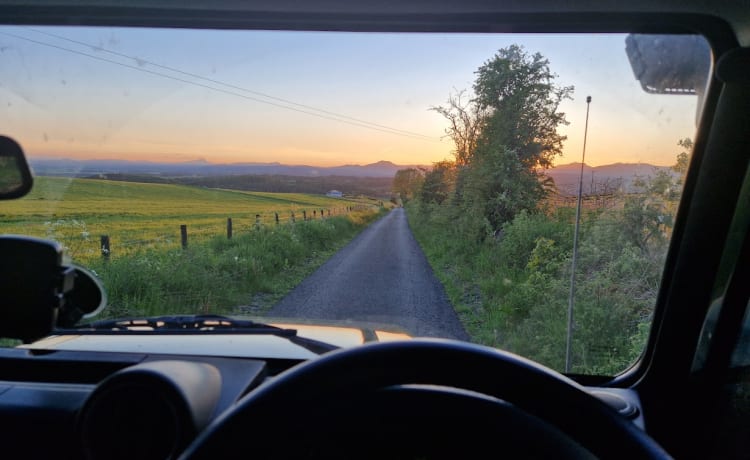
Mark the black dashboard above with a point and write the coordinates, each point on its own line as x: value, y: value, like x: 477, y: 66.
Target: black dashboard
x: 71, y: 404
x: 115, y: 405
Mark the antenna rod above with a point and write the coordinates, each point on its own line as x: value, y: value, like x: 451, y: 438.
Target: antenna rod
x: 569, y: 338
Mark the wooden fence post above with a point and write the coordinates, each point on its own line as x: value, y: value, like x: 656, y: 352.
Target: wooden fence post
x: 257, y: 220
x: 292, y: 216
x: 229, y: 228
x: 183, y: 235
x: 321, y: 213
x: 105, y: 246
x: 329, y: 213
x: 277, y: 217
x: 304, y: 215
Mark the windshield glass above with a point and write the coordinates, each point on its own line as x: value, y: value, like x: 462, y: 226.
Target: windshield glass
x: 213, y: 172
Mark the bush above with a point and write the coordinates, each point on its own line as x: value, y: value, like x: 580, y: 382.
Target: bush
x: 512, y: 291
x: 521, y: 237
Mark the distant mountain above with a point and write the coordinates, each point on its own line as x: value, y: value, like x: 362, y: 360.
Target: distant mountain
x: 86, y: 168
x: 601, y: 179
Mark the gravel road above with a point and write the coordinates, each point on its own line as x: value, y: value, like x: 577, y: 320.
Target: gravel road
x: 383, y: 277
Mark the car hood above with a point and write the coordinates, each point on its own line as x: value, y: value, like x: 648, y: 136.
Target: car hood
x: 341, y: 334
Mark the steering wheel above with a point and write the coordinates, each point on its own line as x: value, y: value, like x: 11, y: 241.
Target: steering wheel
x: 422, y: 398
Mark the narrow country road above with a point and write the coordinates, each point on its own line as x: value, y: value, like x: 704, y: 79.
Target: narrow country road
x: 383, y: 277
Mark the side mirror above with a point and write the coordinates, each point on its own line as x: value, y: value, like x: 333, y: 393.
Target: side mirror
x: 15, y: 176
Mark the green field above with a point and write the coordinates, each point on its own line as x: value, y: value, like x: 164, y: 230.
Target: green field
x: 148, y: 273
x: 137, y: 216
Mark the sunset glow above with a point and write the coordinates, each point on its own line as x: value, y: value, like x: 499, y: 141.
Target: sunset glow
x: 320, y: 99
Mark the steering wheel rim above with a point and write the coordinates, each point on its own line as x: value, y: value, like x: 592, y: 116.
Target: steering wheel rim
x: 534, y: 389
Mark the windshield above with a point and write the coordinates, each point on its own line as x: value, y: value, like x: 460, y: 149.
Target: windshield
x: 420, y: 184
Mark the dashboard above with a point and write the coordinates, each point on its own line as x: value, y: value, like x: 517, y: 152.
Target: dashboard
x: 79, y: 404
x: 116, y: 405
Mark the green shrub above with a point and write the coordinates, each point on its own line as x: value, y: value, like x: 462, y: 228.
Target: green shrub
x: 511, y: 291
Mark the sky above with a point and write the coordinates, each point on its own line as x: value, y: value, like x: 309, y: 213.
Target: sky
x: 316, y: 98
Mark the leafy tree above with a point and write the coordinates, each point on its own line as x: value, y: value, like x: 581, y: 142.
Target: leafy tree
x: 439, y: 182
x: 520, y: 101
x: 641, y: 223
x: 647, y: 216
x: 504, y: 136
x: 407, y: 183
x: 498, y: 187
x: 518, y: 93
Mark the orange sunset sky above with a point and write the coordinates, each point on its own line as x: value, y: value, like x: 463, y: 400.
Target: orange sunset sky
x: 321, y: 99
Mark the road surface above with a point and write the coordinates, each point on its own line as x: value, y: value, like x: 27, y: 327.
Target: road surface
x: 381, y: 277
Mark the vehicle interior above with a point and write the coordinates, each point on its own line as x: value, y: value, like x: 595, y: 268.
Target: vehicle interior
x: 687, y: 396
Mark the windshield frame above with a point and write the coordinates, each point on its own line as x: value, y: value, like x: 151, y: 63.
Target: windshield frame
x: 666, y: 337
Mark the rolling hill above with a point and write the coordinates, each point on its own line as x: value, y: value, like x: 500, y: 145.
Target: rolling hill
x: 47, y: 166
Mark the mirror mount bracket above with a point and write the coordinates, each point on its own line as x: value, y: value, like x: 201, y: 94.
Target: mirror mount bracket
x: 39, y: 292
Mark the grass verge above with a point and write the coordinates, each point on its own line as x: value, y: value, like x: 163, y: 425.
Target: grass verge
x: 511, y: 291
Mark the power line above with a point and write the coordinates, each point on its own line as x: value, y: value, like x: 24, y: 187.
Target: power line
x: 228, y: 85
x: 323, y: 115
x: 182, y: 80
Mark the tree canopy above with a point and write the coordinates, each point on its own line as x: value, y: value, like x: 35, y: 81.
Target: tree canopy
x: 518, y: 92
x: 505, y: 134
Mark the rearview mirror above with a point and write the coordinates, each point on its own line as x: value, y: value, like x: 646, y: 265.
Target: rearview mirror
x: 670, y: 64
x: 15, y: 176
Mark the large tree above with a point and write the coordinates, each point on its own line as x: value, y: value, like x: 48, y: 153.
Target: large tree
x: 519, y: 94
x: 520, y: 101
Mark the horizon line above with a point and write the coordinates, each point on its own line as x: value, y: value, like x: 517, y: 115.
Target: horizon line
x: 203, y: 161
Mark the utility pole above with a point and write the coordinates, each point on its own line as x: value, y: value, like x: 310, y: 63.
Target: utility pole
x: 571, y: 298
